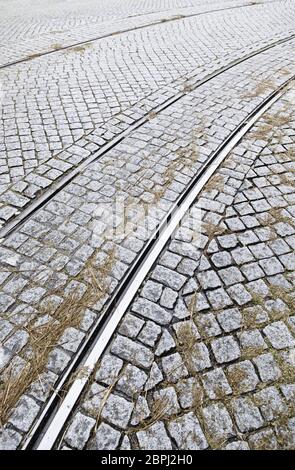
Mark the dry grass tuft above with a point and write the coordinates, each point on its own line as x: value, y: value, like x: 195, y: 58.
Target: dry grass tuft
x: 33, y: 56
x: 186, y: 342
x: 187, y: 88
x: 216, y: 182
x: 159, y: 409
x: 277, y: 215
x: 185, y: 159
x: 152, y: 115
x: 236, y: 377
x: 212, y: 231
x: 262, y: 87
x: 56, y: 46
x: 272, y: 126
x: 80, y: 49
x: 44, y: 337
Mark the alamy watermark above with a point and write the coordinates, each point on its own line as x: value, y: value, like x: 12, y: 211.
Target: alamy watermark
x: 121, y: 219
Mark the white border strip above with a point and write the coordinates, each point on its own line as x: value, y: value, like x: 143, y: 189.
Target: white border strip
x: 51, y: 434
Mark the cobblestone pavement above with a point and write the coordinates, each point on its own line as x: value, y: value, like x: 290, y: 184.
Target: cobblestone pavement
x: 57, y: 24
x: 205, y: 356
x: 54, y: 117
x: 51, y: 293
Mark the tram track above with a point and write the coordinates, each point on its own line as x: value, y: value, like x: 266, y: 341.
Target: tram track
x: 51, y: 422
x: 122, y: 31
x: 31, y: 208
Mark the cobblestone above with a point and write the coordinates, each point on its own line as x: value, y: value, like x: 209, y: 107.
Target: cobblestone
x: 247, y: 415
x: 79, y: 431
x: 225, y: 349
x: 154, y: 438
x: 188, y: 427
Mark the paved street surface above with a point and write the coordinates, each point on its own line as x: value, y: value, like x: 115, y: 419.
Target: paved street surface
x: 108, y: 111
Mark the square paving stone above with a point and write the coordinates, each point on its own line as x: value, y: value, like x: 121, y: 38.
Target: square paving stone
x: 24, y: 414
x: 132, y: 351
x: 231, y: 276
x: 106, y: 438
x: 187, y: 432
x: 270, y: 402
x: 219, y: 299
x: 242, y: 255
x: 230, y: 319
x: 209, y: 280
x: 79, y: 431
x: 216, y: 384
x: 279, y: 335
x: 225, y: 349
x: 271, y: 266
x: 218, y: 423
x: 154, y: 438
x: 267, y: 367
x: 242, y: 377
x: 189, y: 392
x: 263, y: 440
x: 247, y: 415
x: 174, y: 367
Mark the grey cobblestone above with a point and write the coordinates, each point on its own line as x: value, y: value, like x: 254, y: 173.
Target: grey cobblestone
x: 218, y: 422
x: 187, y: 432
x: 79, y: 431
x: 130, y: 350
x: 154, y: 438
x: 9, y: 439
x: 279, y: 335
x: 106, y: 438
x: 225, y: 349
x: 267, y: 367
x: 152, y: 311
x: 246, y: 415
x: 24, y: 414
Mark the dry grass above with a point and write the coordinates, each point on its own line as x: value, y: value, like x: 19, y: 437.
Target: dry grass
x: 216, y: 182
x: 286, y: 295
x: 261, y: 88
x: 187, y: 88
x: 278, y: 216
x: 212, y: 231
x: 56, y: 46
x: 285, y: 71
x: 185, y: 158
x: 159, y: 409
x: 33, y: 56
x: 288, y: 179
x: 105, y: 398
x: 272, y: 125
x: 186, y: 344
x: 152, y: 115
x: 44, y: 337
x: 80, y: 49
x: 236, y: 377
x: 177, y: 17
x: 251, y: 352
